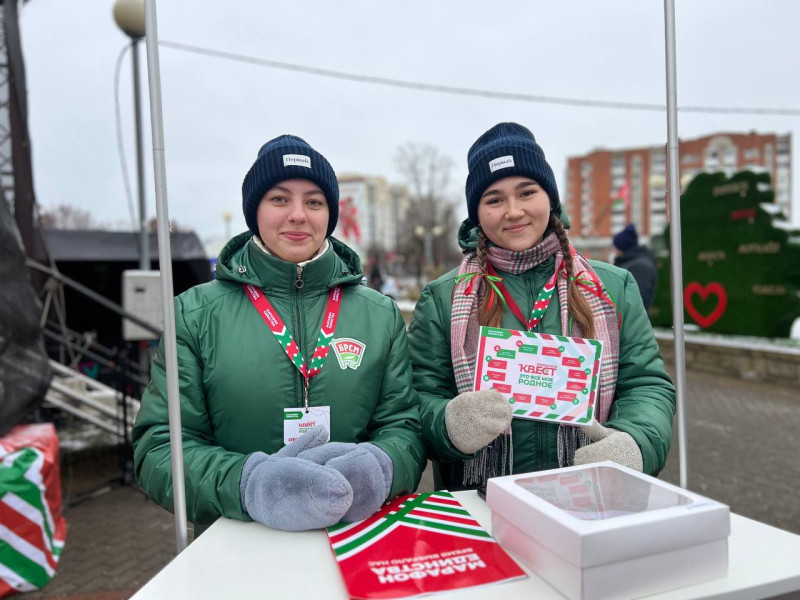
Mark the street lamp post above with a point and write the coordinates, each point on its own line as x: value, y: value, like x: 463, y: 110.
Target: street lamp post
x: 427, y: 234
x: 226, y: 217
x: 129, y: 16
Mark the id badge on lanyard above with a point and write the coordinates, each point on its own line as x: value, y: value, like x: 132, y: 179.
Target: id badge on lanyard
x: 296, y: 421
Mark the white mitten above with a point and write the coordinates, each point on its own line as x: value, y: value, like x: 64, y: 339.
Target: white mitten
x: 609, y: 444
x: 474, y: 419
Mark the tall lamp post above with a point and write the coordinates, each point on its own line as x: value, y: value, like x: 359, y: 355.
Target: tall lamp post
x: 427, y: 234
x: 227, y: 216
x: 129, y: 16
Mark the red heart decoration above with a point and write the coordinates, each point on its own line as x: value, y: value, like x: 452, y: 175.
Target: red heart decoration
x: 704, y: 291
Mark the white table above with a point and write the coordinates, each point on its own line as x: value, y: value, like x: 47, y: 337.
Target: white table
x: 233, y: 559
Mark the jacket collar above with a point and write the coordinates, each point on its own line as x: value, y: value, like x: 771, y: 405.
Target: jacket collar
x: 242, y: 262
x: 322, y: 250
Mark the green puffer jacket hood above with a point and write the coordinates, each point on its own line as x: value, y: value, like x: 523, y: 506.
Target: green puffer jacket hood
x: 236, y: 381
x: 644, y: 402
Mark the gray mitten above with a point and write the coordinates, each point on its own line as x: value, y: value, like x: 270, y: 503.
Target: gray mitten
x: 322, y: 454
x: 368, y: 469
x: 294, y: 494
x: 609, y: 444
x: 474, y: 419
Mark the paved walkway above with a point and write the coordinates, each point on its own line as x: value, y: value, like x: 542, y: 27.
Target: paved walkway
x: 743, y: 441
x: 743, y: 451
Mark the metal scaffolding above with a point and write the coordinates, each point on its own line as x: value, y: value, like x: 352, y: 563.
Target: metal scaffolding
x: 6, y: 165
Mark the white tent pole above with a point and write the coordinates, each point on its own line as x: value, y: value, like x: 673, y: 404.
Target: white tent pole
x: 676, y: 255
x: 165, y: 265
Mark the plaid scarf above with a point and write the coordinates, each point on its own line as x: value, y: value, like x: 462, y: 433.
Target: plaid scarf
x: 464, y: 333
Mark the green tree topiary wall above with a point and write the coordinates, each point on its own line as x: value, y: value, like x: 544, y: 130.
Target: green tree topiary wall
x: 741, y: 263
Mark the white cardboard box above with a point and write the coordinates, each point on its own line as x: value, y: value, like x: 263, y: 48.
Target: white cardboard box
x: 606, y: 531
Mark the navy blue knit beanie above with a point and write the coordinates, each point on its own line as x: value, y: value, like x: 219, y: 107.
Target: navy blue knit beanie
x: 506, y: 150
x: 288, y: 157
x: 627, y: 238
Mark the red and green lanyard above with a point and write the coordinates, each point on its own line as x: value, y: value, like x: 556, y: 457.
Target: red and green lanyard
x: 543, y: 299
x: 495, y: 282
x: 278, y: 328
x: 539, y: 306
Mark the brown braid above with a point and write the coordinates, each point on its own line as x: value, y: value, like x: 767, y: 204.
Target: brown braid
x: 487, y: 317
x: 577, y: 306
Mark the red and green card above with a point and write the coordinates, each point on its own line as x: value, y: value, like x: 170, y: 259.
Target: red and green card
x: 417, y: 545
x: 551, y: 378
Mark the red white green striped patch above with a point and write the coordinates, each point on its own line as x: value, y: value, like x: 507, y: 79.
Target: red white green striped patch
x: 418, y: 544
x: 32, y: 529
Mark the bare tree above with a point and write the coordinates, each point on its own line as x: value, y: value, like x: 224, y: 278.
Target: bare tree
x: 65, y: 216
x: 429, y: 225
x: 427, y: 174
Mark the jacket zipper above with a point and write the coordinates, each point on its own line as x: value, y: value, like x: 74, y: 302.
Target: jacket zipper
x: 298, y: 286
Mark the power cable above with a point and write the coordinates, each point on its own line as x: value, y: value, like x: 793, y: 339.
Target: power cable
x: 737, y: 110
x: 120, y: 145
x: 462, y: 91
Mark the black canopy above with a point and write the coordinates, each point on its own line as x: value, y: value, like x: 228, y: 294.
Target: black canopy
x: 98, y: 258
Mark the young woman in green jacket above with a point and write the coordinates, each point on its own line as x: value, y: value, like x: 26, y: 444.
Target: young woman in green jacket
x: 286, y: 336
x: 516, y: 232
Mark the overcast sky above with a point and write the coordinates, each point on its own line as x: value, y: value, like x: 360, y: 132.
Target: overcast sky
x: 217, y: 113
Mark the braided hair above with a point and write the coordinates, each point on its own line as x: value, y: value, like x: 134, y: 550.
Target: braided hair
x: 577, y: 306
x: 488, y: 317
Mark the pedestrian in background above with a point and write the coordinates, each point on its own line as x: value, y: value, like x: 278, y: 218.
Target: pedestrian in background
x: 284, y: 336
x: 515, y: 235
x: 639, y: 261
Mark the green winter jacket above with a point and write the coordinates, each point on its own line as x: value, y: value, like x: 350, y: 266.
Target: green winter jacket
x: 235, y: 378
x: 644, y: 403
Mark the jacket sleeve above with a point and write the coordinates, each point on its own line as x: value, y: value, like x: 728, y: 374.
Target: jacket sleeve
x: 211, y: 473
x: 395, y: 426
x: 433, y: 374
x: 644, y: 404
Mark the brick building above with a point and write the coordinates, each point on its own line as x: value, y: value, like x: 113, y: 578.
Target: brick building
x: 606, y: 189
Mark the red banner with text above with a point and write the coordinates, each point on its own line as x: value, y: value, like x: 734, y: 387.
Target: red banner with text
x: 417, y: 545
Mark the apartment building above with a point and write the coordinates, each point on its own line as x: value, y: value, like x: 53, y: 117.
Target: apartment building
x: 606, y: 189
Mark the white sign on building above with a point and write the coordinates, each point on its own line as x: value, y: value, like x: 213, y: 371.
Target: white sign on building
x: 354, y: 223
